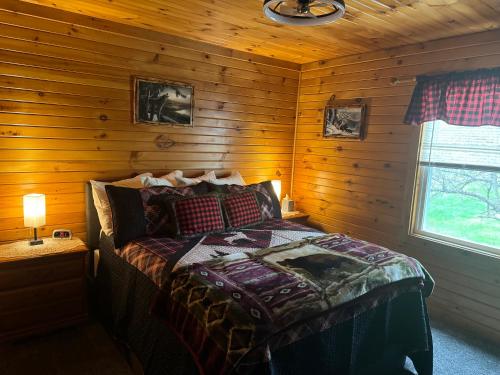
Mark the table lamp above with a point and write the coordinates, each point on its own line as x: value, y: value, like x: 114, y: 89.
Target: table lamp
x: 277, y: 188
x: 34, y: 214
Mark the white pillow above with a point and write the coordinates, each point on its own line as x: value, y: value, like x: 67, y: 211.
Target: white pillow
x: 101, y: 201
x: 171, y: 177
x: 234, y: 179
x: 153, y: 181
x: 184, y: 181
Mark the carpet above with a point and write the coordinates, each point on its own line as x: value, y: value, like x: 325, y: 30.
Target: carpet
x: 457, y: 354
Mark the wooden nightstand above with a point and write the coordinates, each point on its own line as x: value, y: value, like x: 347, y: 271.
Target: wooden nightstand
x: 41, y: 287
x: 296, y: 216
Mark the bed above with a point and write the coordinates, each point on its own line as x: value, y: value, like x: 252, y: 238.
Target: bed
x: 149, y: 298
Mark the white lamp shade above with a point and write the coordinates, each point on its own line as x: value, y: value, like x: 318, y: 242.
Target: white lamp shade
x: 34, y: 210
x: 277, y: 188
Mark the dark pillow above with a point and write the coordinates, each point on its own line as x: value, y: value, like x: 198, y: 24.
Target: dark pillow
x: 128, y: 214
x: 241, y: 209
x: 268, y: 201
x: 157, y: 218
x: 195, y: 216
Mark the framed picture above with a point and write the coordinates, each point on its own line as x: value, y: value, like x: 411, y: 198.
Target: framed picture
x: 162, y: 102
x: 345, y: 119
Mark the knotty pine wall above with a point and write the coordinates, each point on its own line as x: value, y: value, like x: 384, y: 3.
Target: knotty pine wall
x: 364, y: 188
x: 65, y: 113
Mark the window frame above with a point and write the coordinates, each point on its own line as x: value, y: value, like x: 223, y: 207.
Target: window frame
x: 418, y: 199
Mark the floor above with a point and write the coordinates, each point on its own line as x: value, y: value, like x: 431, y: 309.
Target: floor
x: 455, y: 354
x: 82, y: 350
x: 88, y: 350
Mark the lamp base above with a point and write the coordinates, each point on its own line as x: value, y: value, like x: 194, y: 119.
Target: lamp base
x: 35, y: 240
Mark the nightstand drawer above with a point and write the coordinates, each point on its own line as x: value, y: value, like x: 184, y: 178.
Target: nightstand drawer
x: 42, y: 318
x: 34, y: 273
x: 39, y: 295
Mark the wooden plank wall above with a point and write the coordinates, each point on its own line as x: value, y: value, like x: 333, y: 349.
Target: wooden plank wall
x: 65, y: 110
x: 364, y: 188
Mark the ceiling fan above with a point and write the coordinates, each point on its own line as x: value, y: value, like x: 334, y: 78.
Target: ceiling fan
x: 304, y: 12
x: 440, y: 2
x: 432, y: 3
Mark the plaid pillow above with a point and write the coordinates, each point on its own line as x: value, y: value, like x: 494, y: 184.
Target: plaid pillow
x: 196, y: 216
x: 268, y: 202
x: 242, y: 209
x: 155, y: 213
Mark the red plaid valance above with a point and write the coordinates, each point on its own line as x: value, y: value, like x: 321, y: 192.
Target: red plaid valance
x: 467, y: 99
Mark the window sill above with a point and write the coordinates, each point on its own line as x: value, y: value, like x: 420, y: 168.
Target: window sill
x: 480, y: 250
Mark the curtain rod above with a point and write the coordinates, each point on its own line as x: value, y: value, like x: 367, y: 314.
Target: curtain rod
x: 398, y: 80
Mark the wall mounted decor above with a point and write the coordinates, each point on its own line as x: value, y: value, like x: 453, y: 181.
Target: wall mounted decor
x: 345, y: 118
x: 162, y: 102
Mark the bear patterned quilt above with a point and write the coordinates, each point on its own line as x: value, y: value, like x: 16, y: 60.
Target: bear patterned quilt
x: 156, y: 257
x: 235, y: 307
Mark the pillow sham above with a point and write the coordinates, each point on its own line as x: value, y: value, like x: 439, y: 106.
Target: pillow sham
x: 268, y: 201
x: 241, y: 209
x: 171, y: 177
x: 155, y: 213
x: 129, y: 222
x: 195, y: 216
x: 234, y: 179
x: 185, y: 181
x: 155, y: 181
x: 101, y: 201
x: 166, y: 180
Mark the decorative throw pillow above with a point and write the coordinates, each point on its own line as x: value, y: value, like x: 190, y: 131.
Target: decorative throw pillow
x: 234, y: 179
x: 241, y: 209
x: 185, y: 181
x: 128, y: 214
x: 268, y: 201
x: 155, y: 213
x: 101, y: 201
x: 196, y: 216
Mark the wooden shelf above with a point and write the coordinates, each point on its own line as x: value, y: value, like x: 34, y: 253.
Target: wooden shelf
x: 295, y: 216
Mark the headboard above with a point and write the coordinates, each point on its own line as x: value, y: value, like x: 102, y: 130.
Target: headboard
x: 92, y: 220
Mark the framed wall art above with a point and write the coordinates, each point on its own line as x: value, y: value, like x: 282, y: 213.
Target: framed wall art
x: 345, y: 119
x: 162, y: 102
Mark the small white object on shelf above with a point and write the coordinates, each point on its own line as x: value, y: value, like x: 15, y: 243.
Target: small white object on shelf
x: 62, y: 234
x: 287, y: 205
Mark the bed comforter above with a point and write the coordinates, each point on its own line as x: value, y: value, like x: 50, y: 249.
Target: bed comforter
x: 234, y: 310
x: 234, y: 298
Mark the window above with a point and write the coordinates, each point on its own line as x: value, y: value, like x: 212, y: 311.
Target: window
x: 457, y: 199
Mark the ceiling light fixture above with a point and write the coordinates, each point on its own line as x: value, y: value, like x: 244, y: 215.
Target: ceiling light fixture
x: 304, y: 12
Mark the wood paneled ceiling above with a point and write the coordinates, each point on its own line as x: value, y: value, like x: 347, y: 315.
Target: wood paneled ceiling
x: 240, y: 24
